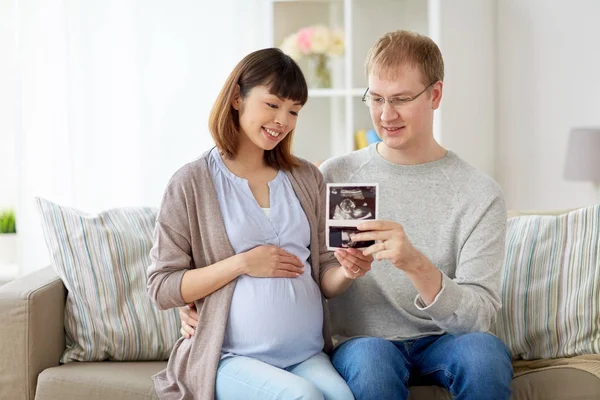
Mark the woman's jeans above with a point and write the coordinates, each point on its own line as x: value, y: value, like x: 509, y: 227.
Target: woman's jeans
x: 250, y: 379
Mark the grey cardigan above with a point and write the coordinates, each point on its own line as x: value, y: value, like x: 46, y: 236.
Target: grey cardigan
x: 190, y: 234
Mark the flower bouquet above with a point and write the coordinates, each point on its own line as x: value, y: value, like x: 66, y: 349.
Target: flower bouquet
x: 317, y: 43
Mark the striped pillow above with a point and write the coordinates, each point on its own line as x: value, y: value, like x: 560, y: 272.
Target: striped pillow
x: 551, y: 285
x: 102, y: 262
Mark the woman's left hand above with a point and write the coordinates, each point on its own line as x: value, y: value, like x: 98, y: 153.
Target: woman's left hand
x: 354, y: 263
x: 188, y: 315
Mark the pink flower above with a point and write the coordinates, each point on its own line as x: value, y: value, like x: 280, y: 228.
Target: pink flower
x: 304, y: 39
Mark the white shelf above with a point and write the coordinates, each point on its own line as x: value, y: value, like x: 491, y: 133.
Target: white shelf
x: 332, y: 116
x: 357, y: 92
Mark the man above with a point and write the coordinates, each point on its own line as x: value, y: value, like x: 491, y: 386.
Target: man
x: 420, y: 313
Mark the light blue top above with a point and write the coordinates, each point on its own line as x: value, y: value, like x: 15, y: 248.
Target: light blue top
x: 276, y: 320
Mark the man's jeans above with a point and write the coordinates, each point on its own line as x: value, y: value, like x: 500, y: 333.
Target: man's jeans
x: 471, y: 366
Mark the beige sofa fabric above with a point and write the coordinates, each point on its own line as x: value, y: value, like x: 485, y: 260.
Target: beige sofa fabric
x: 131, y: 381
x: 32, y: 336
x: 556, y: 384
x: 562, y: 382
x: 99, y: 380
x: 32, y: 341
x: 31, y: 331
x: 589, y: 363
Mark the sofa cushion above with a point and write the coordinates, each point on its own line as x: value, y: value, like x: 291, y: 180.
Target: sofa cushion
x: 551, y: 285
x: 552, y: 384
x: 99, y: 381
x: 102, y: 261
x: 132, y: 381
x: 556, y: 384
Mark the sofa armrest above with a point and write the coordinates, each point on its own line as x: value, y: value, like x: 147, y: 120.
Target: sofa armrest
x: 31, y: 331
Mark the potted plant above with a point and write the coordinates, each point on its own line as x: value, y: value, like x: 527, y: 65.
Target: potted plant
x: 8, y: 237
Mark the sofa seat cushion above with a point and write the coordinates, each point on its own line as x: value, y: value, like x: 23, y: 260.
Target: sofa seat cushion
x: 99, y: 380
x: 556, y: 384
x: 564, y: 382
x: 132, y: 380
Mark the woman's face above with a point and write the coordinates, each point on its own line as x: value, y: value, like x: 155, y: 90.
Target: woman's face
x: 266, y: 119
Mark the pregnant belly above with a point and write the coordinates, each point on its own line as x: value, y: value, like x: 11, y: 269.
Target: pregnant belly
x: 275, y: 319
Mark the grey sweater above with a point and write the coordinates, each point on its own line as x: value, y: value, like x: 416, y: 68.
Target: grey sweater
x: 456, y: 217
x: 190, y: 234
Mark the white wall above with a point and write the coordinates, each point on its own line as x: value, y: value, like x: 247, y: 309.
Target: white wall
x: 467, y: 115
x: 548, y: 82
x: 8, y: 170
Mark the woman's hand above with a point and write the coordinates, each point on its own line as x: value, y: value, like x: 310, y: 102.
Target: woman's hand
x: 189, y: 320
x: 354, y: 263
x: 270, y: 261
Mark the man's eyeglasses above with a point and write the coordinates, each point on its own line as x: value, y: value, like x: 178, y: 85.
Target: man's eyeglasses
x: 397, y: 101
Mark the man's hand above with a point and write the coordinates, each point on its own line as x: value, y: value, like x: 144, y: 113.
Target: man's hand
x: 354, y: 263
x: 391, y: 243
x: 189, y: 320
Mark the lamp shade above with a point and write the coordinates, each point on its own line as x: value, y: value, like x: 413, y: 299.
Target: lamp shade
x: 583, y: 155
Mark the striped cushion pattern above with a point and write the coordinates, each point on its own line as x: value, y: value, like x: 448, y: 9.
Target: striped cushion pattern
x: 551, y: 285
x: 102, y: 261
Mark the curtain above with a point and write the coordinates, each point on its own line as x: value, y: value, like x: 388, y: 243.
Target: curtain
x: 112, y: 97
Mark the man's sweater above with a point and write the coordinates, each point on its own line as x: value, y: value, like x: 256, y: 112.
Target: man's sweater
x: 456, y: 217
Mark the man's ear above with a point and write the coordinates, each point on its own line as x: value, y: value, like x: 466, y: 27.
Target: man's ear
x: 436, y: 94
x: 236, y: 99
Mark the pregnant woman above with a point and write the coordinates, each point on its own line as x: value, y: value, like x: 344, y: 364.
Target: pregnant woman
x: 240, y: 234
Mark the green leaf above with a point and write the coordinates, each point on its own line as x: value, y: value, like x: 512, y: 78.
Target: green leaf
x: 7, y: 221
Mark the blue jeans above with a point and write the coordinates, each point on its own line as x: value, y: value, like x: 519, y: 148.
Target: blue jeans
x: 247, y: 378
x: 471, y: 366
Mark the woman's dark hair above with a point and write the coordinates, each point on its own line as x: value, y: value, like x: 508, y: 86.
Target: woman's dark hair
x: 282, y: 76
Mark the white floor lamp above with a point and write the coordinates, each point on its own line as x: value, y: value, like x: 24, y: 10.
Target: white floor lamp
x: 583, y: 157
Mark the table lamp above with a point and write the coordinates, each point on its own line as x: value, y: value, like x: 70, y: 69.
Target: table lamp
x: 583, y: 157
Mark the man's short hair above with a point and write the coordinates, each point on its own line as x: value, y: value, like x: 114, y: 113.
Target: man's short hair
x: 404, y: 48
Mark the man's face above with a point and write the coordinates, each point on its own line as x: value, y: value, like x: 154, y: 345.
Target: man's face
x: 409, y: 124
